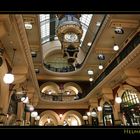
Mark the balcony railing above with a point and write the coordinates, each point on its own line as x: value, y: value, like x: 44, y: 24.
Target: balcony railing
x: 77, y: 66
x: 62, y: 69
x: 59, y: 97
x: 123, y: 54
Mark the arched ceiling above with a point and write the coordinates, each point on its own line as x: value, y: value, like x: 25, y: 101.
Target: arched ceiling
x: 14, y: 35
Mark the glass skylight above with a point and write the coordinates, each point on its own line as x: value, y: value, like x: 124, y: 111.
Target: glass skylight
x: 45, y: 26
x: 85, y: 21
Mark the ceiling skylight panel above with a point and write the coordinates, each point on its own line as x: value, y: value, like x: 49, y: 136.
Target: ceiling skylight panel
x: 45, y: 27
x: 85, y: 21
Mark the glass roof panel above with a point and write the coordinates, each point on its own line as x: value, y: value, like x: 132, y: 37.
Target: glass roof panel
x: 45, y: 26
x: 85, y: 21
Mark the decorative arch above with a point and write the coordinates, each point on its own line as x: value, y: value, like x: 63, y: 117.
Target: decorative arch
x: 49, y: 114
x: 122, y: 89
x: 103, y: 100
x: 48, y: 85
x: 50, y: 47
x: 129, y: 108
x: 72, y: 84
x: 75, y: 114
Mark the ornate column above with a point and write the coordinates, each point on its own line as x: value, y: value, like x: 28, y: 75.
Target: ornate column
x: 27, y: 119
x: 20, y: 110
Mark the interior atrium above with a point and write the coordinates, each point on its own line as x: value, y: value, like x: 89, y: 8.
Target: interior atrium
x: 70, y: 69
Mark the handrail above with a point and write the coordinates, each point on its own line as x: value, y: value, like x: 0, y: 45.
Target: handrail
x: 132, y: 44
x: 60, y: 97
x: 123, y: 54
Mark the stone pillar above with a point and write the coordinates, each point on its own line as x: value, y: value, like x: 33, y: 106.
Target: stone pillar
x: 20, y: 111
x: 32, y: 121
x: 27, y: 120
x: 90, y: 120
x: 4, y: 89
x: 116, y: 113
x: 100, y: 118
x: 93, y: 104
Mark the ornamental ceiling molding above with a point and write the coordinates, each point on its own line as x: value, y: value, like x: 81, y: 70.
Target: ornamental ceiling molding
x: 26, y: 50
x: 104, y: 25
x: 135, y: 53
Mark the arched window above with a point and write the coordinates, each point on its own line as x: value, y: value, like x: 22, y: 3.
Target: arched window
x: 129, y: 98
x: 130, y: 108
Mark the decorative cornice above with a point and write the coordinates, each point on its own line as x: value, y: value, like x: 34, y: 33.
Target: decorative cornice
x: 135, y: 53
x: 26, y: 50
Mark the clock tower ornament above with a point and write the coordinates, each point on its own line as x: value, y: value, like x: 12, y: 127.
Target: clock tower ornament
x: 69, y: 32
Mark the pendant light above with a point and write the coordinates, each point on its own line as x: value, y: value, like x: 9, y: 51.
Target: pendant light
x: 37, y: 118
x: 115, y: 46
x: 9, y: 77
x: 25, y: 98
x: 101, y: 58
x: 99, y: 108
x: 118, y: 99
x: 100, y: 66
x: 34, y: 114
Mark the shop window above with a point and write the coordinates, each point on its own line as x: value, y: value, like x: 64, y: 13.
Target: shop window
x: 94, y: 116
x: 108, y: 118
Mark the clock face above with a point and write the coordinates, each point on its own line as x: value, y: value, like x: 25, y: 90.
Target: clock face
x: 71, y: 37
